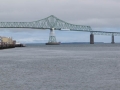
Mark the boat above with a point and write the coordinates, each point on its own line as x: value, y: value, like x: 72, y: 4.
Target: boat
x: 17, y: 44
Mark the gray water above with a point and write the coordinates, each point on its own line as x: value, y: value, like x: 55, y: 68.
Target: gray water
x: 62, y: 67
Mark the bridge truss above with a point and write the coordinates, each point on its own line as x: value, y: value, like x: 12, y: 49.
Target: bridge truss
x: 101, y: 32
x: 105, y: 33
x: 54, y: 23
x: 51, y: 22
x: 46, y: 23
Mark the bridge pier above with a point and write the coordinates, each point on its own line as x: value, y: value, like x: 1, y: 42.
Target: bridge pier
x: 112, y: 39
x: 52, y: 38
x: 91, y: 38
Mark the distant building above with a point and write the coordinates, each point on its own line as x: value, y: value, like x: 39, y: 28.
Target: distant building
x: 7, y: 40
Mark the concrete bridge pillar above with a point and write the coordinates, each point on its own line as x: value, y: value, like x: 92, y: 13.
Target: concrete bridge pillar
x: 91, y: 38
x: 52, y: 38
x: 112, y: 39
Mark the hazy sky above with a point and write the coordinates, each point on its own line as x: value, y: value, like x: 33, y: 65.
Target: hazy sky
x: 99, y: 14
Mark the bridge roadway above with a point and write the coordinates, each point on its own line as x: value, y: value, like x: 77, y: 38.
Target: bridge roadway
x: 92, y: 33
x: 54, y: 23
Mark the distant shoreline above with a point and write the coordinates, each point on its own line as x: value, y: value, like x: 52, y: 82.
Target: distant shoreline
x: 67, y: 43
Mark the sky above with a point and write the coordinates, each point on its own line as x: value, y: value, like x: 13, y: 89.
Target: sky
x: 102, y: 15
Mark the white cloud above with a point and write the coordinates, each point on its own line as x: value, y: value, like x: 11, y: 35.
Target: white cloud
x: 41, y: 36
x: 99, y: 14
x: 32, y: 40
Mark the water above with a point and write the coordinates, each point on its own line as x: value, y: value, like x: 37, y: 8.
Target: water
x: 61, y: 67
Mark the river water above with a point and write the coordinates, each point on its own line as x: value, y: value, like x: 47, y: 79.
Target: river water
x: 61, y: 67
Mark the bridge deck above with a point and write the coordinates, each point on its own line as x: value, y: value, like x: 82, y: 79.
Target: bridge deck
x: 53, y: 22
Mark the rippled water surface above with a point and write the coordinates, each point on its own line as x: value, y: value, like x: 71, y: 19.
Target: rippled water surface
x: 62, y: 67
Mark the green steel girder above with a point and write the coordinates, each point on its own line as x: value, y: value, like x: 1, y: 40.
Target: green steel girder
x: 105, y: 33
x: 101, y: 32
x: 57, y: 24
x: 46, y: 23
x: 52, y: 39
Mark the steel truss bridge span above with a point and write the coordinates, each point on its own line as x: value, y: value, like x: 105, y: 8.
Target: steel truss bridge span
x: 92, y: 33
x: 101, y: 32
x: 46, y: 23
x: 54, y: 23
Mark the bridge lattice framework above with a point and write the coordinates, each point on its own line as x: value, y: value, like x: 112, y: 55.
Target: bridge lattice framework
x: 54, y: 23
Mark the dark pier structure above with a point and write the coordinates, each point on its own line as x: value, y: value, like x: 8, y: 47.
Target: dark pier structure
x: 52, y: 38
x: 91, y: 38
x: 112, y: 39
x: 112, y: 34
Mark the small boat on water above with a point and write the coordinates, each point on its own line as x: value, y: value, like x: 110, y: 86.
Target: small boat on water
x: 17, y: 44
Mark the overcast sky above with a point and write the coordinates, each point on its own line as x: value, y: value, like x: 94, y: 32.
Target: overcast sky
x: 99, y: 14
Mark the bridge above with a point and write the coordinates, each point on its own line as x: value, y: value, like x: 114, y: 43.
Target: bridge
x: 53, y: 23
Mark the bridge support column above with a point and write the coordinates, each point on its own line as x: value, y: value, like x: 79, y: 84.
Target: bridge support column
x: 52, y: 38
x: 112, y: 39
x: 91, y: 38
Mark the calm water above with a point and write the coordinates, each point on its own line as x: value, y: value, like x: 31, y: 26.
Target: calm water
x: 62, y: 67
